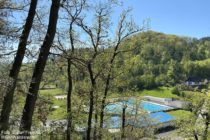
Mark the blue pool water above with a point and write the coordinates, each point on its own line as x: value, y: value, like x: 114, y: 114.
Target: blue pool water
x: 113, y: 123
x: 153, y: 107
x: 161, y: 117
x: 116, y: 108
x: 155, y: 118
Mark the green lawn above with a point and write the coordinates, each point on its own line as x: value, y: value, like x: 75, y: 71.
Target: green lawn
x: 59, y: 113
x: 192, y: 92
x: 208, y: 138
x: 208, y: 93
x: 162, y: 92
x: 52, y: 92
x: 180, y: 113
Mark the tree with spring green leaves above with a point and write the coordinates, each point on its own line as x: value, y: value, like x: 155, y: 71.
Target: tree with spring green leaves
x: 195, y: 125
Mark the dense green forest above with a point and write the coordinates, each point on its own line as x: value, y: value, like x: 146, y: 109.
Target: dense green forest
x: 160, y: 59
x: 148, y: 60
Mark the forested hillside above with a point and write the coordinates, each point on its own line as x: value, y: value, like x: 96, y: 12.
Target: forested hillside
x: 159, y: 59
x: 148, y: 60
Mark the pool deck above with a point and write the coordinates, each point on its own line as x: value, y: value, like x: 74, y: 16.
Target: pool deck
x: 176, y: 104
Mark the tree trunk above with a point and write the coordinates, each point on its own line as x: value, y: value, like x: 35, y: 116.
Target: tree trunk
x: 95, y: 136
x: 106, y: 92
x: 8, y: 99
x: 90, y: 114
x: 26, y: 120
x: 205, y: 137
x: 104, y: 102
x: 206, y: 131
x: 91, y: 104
x: 195, y: 136
x: 95, y: 127
x: 103, y: 105
x: 70, y: 82
x: 123, y: 122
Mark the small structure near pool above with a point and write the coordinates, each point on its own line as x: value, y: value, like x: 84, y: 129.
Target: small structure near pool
x: 196, y: 81
x: 55, y: 107
x: 60, y: 97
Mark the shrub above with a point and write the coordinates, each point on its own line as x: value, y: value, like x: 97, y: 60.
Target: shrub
x: 176, y: 91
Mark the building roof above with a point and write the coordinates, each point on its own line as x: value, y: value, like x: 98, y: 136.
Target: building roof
x: 194, y: 79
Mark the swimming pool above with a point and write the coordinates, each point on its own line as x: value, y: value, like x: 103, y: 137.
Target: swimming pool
x: 114, y: 122
x: 153, y: 107
x: 116, y: 108
x: 161, y: 117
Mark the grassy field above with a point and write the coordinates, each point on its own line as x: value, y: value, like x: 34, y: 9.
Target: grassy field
x: 59, y: 113
x: 179, y: 113
x: 52, y: 92
x: 162, y: 92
